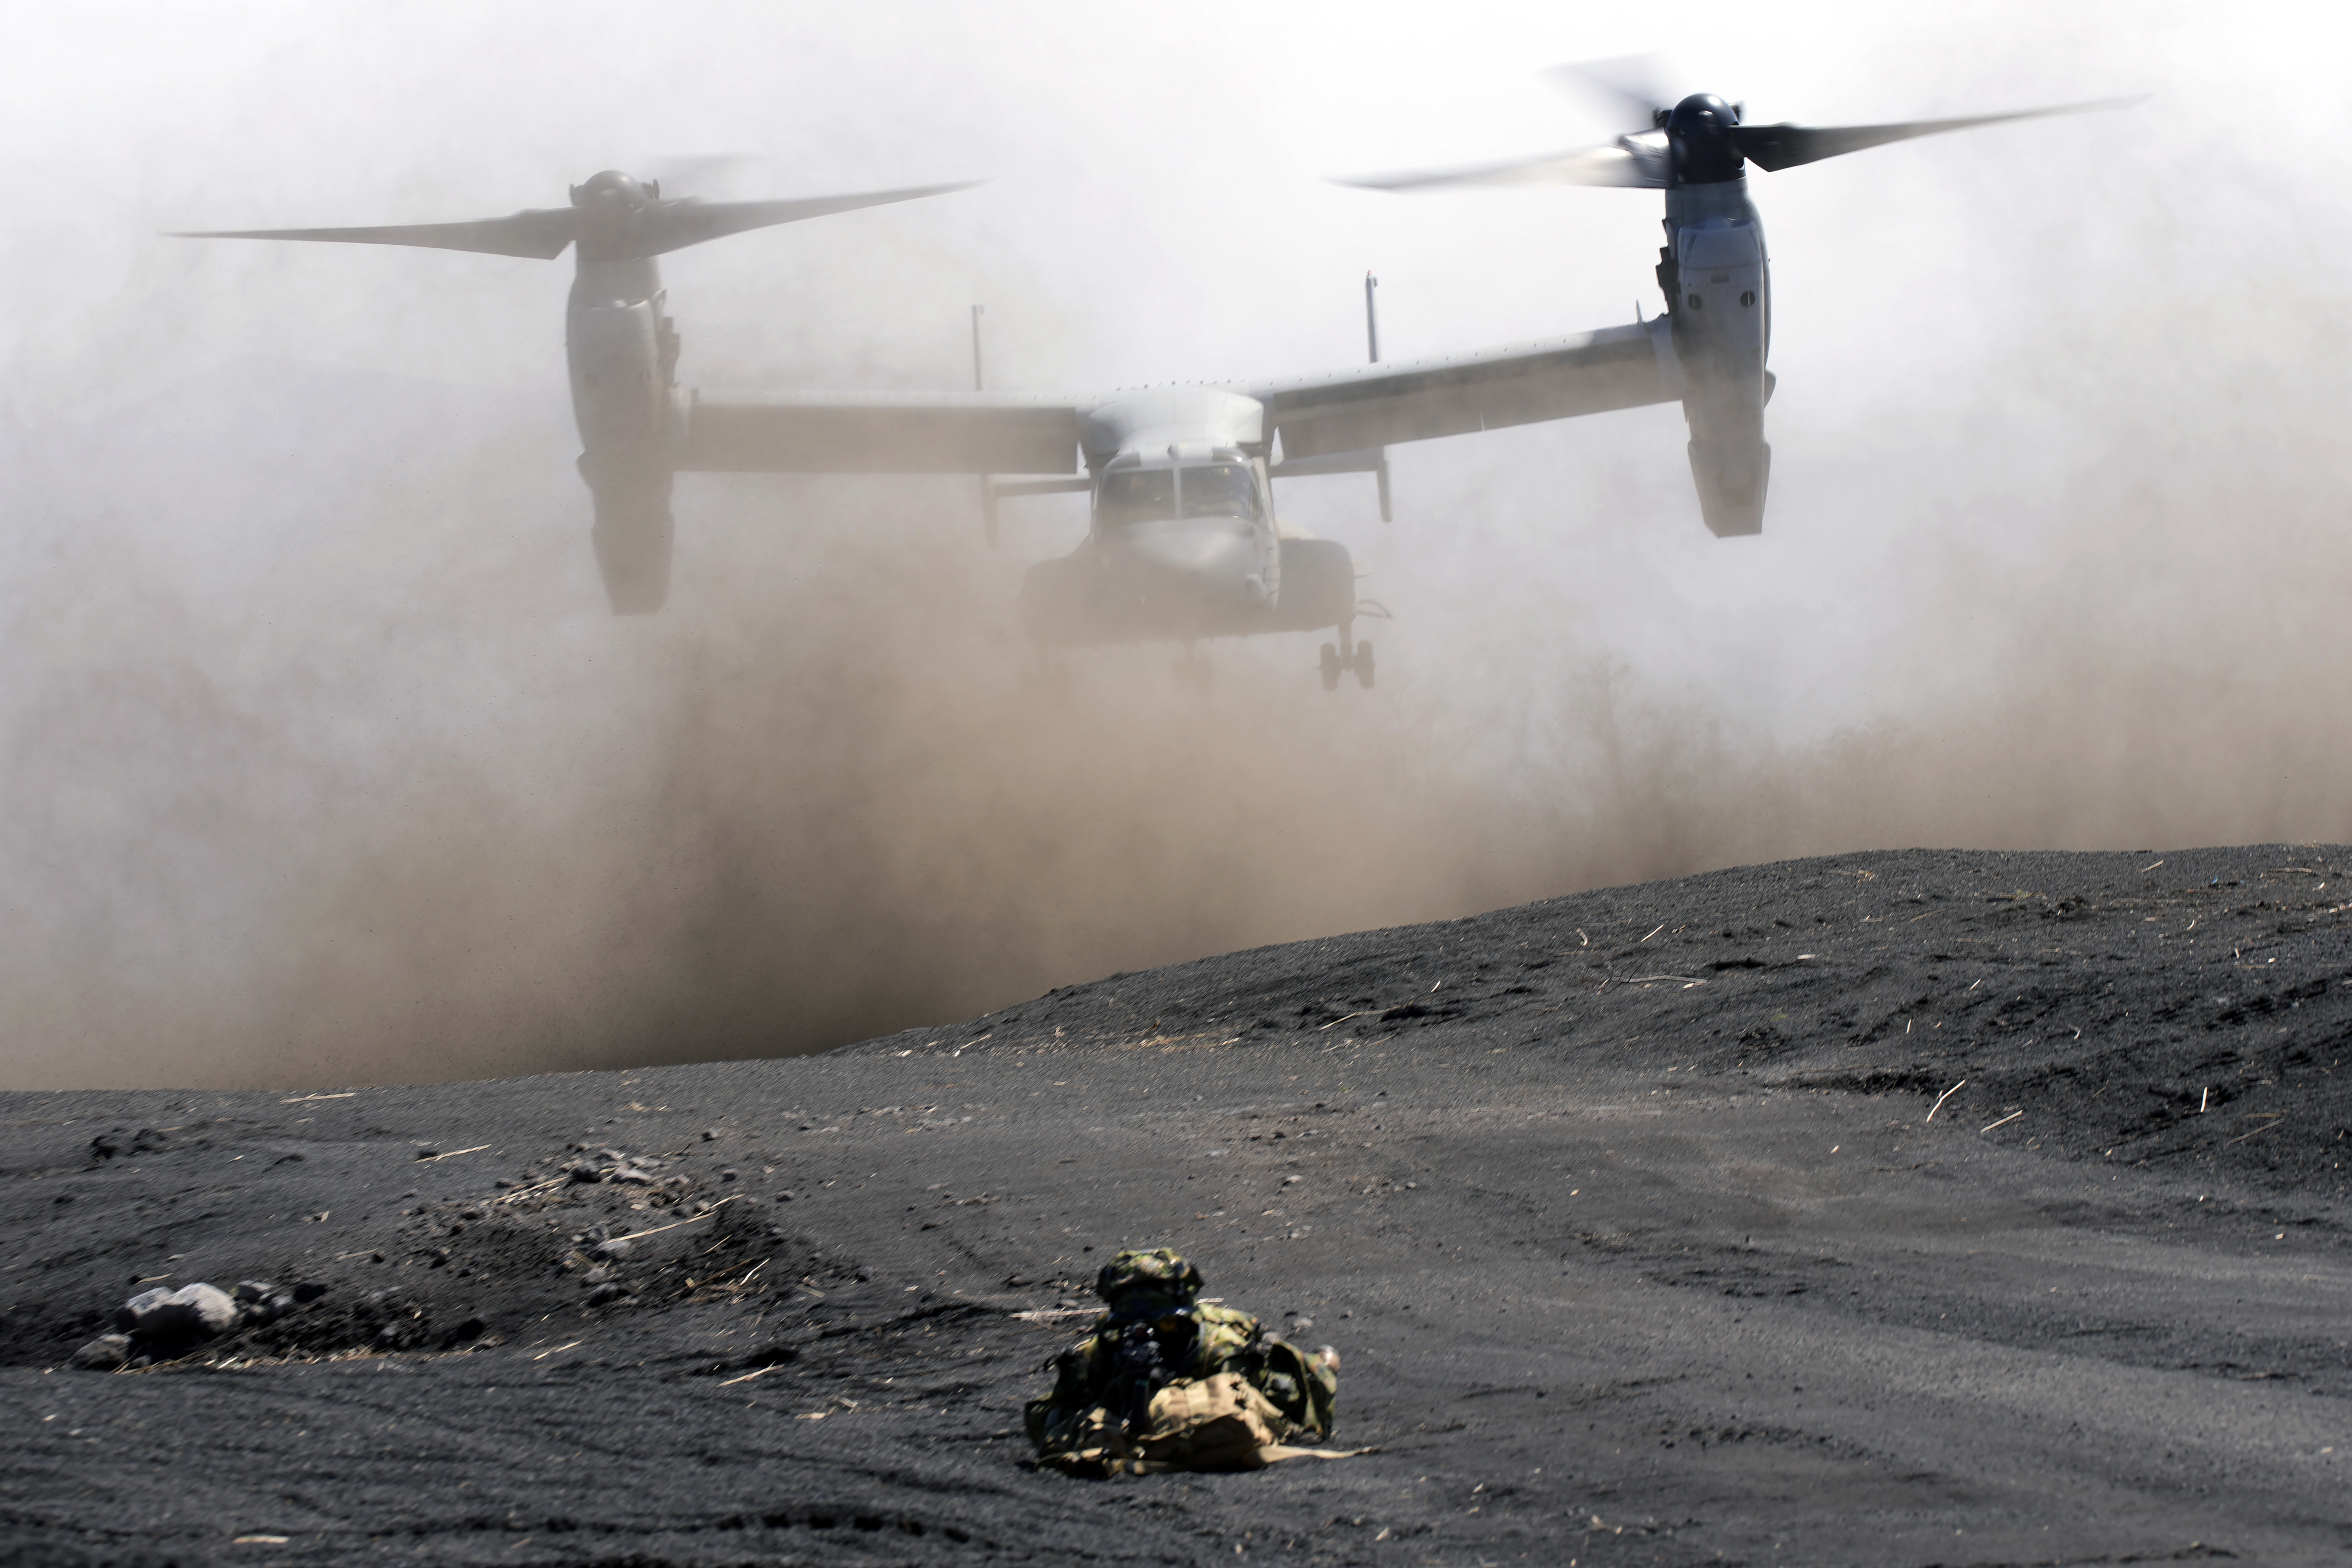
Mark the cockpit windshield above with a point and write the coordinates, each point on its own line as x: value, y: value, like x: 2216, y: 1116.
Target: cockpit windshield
x: 1221, y: 489
x: 1136, y: 495
x: 1130, y: 495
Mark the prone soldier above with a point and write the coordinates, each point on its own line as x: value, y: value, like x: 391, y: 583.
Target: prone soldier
x: 1167, y: 1380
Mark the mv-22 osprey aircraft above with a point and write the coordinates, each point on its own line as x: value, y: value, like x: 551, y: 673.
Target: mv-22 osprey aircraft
x: 1185, y: 542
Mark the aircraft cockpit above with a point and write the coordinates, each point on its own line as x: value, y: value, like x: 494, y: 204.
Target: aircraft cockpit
x: 1222, y: 489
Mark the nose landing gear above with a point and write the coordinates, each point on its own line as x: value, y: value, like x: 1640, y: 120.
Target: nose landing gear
x: 1350, y: 655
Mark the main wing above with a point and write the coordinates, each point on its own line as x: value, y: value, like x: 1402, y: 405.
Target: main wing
x: 1381, y: 404
x: 882, y: 432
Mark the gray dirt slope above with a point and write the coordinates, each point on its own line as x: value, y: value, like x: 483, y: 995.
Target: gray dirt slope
x: 1626, y: 1211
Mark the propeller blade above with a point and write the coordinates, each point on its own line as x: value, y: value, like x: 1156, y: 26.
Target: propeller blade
x: 1627, y: 85
x: 1633, y: 164
x: 541, y: 234
x: 674, y: 226
x: 1786, y: 146
x: 694, y: 174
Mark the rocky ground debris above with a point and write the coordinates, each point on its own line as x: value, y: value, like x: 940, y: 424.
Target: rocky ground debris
x: 1901, y: 1208
x: 164, y: 1325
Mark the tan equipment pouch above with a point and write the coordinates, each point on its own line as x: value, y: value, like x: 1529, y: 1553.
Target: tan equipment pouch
x: 1211, y: 1423
x: 1220, y: 1423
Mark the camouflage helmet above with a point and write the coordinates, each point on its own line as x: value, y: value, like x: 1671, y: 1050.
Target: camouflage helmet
x: 1155, y: 1284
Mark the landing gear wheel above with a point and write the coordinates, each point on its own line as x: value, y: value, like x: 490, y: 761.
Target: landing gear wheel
x: 1363, y: 666
x: 1330, y: 668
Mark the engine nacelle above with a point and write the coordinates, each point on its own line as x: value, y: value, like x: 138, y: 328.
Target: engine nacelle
x: 621, y: 350
x: 1719, y: 280
x: 620, y: 391
x: 633, y: 535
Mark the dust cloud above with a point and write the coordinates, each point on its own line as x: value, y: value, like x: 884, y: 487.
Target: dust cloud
x: 320, y: 763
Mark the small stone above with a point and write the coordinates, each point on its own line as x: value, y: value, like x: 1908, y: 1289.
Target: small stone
x: 132, y: 1314
x: 631, y: 1175
x: 726, y: 1176
x: 614, y: 1250
x: 259, y: 1301
x: 104, y: 1354
x: 597, y: 1275
x: 312, y: 1291
x: 604, y: 1295
x: 711, y: 1135
x: 187, y: 1316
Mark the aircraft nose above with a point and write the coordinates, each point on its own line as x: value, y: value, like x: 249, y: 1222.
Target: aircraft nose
x: 1209, y: 551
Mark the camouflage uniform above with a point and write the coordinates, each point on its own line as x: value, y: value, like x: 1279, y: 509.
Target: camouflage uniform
x: 1156, y: 1333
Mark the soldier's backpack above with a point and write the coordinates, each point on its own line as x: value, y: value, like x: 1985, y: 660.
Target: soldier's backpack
x: 1220, y: 1423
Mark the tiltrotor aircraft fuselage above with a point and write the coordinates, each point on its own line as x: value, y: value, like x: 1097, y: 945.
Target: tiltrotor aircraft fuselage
x: 1184, y: 541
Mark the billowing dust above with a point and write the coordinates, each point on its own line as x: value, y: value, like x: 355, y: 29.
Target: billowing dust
x: 454, y: 822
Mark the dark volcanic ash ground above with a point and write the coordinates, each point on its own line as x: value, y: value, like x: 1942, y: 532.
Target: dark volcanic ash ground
x: 1625, y: 1210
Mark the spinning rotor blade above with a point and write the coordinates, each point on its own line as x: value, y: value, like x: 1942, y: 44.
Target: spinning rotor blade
x: 1630, y: 164
x: 541, y: 234
x: 674, y: 226
x: 1786, y: 146
x: 693, y: 174
x: 1627, y: 85
x: 652, y: 229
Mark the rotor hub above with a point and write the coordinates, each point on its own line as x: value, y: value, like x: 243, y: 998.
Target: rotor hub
x: 611, y: 191
x: 1699, y: 129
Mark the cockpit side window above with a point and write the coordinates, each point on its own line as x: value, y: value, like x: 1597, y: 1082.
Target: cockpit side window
x: 1221, y: 489
x: 1136, y: 495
